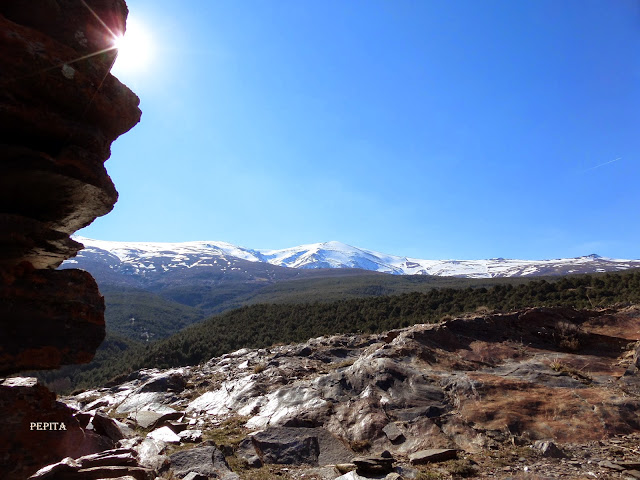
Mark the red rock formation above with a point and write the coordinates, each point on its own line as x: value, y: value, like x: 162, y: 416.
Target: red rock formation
x: 38, y: 430
x: 60, y: 110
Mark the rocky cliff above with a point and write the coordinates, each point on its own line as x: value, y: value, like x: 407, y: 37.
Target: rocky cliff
x: 60, y: 110
x: 540, y: 393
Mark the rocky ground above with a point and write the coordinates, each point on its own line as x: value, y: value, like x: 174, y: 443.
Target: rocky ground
x: 542, y: 393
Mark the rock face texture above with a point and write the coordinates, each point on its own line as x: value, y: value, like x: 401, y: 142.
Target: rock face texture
x: 60, y: 110
x: 549, y: 390
x: 37, y: 430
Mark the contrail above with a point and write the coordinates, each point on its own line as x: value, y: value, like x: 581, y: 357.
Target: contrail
x: 603, y: 164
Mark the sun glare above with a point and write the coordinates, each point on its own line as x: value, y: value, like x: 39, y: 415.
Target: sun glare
x: 135, y: 50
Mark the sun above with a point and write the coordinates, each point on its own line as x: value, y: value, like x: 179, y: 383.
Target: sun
x: 135, y: 50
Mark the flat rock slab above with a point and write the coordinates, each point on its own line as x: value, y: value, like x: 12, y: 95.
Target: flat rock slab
x: 145, y: 418
x: 294, y: 446
x: 373, y: 465
x: 332, y: 449
x: 192, y: 436
x: 151, y: 418
x: 288, y: 446
x: 196, y: 476
x: 351, y: 476
x: 207, y: 460
x: 146, y: 401
x: 99, y: 473
x: 549, y: 449
x: 433, y: 455
x: 167, y: 382
x: 356, y: 476
x: 66, y: 466
x: 393, y: 433
x: 105, y: 425
x: 150, y: 453
x: 164, y: 434
x: 612, y: 466
x: 119, y: 457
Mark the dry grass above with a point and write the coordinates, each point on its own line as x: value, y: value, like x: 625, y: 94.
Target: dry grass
x: 360, y: 445
x: 461, y: 468
x: 567, y: 336
x: 431, y: 473
x: 267, y: 472
x: 345, y: 363
x: 566, y: 369
x: 230, y: 432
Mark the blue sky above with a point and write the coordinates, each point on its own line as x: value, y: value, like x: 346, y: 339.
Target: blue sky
x: 432, y: 129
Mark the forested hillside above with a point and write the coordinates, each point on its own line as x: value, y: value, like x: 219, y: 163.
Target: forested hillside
x: 266, y: 324
x: 144, y: 315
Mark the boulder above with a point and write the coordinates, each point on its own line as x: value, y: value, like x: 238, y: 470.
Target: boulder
x: 114, y: 472
x: 247, y: 452
x: 150, y: 454
x: 205, y: 460
x: 549, y: 449
x: 120, y: 464
x: 285, y: 445
x: 192, y: 436
x: 37, y: 430
x: 433, y: 455
x: 107, y: 426
x: 612, y: 466
x: 137, y: 403
x: 176, y: 427
x: 164, y: 434
x: 64, y: 468
x: 374, y: 465
x: 169, y: 382
x: 118, y: 457
x: 353, y: 475
x: 34, y: 321
x: 282, y: 443
x: 195, y: 476
x: 145, y: 418
x: 635, y: 360
x: 154, y: 418
x: 393, y: 433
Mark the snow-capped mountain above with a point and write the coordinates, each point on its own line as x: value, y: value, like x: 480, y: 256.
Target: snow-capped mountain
x: 152, y: 259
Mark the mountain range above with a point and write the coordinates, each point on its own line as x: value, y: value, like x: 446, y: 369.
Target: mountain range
x: 148, y: 260
x: 152, y: 290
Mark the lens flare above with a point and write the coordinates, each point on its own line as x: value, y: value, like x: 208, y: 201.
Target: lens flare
x: 135, y: 50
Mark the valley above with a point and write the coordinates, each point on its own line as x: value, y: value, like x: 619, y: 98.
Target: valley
x: 152, y: 290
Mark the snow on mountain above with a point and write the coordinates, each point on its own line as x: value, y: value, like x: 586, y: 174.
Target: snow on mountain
x: 147, y: 257
x: 141, y: 257
x: 332, y: 255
